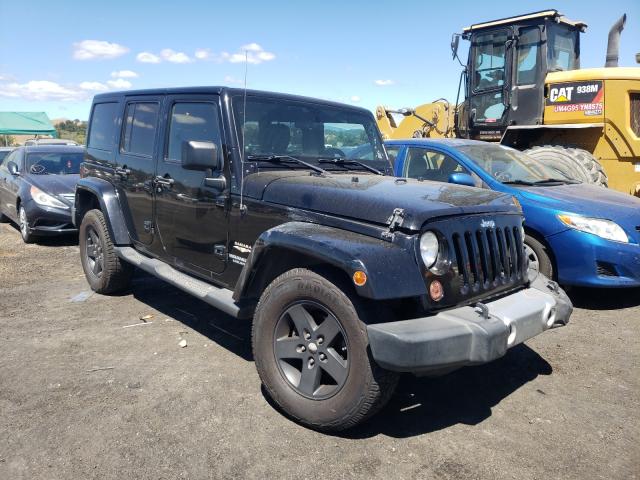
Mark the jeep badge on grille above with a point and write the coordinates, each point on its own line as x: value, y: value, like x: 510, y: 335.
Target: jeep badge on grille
x: 488, y: 224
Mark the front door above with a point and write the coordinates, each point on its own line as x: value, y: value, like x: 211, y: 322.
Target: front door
x: 489, y: 81
x: 189, y: 215
x: 135, y: 164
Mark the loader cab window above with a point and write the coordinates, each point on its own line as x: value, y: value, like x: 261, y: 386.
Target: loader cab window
x: 489, y: 76
x: 563, y: 52
x: 528, y: 56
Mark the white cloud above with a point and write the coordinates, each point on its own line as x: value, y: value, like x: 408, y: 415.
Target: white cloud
x: 97, y: 49
x: 202, y: 53
x: 124, y: 74
x: 175, y: 57
x: 251, y: 53
x: 384, y: 83
x: 355, y: 99
x: 147, y: 57
x: 230, y: 79
x: 42, y: 90
x: 93, y: 86
x: 119, y: 83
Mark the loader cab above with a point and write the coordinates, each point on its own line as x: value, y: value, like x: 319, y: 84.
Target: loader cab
x: 506, y: 68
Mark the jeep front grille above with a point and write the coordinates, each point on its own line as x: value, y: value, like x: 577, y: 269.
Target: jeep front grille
x: 488, y: 258
x: 634, y: 99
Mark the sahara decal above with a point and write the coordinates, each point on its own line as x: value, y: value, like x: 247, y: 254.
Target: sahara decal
x: 587, y: 97
x: 242, y: 247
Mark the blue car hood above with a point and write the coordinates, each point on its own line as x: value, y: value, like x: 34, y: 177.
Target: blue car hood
x: 587, y: 200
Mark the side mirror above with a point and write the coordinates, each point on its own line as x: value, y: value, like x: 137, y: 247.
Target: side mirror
x: 200, y: 156
x: 460, y: 178
x: 13, y: 168
x: 455, y: 40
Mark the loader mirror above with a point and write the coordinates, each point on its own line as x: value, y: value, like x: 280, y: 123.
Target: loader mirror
x: 455, y: 40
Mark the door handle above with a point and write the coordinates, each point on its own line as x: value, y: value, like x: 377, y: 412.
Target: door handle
x: 164, y: 181
x: 123, y: 172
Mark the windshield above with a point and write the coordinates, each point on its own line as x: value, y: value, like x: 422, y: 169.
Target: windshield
x: 562, y: 51
x: 4, y: 153
x: 307, y: 131
x: 54, y: 163
x: 508, y: 165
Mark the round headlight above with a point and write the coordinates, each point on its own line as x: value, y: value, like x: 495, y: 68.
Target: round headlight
x: 429, y: 248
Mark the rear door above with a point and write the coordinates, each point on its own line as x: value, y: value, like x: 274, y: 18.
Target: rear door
x: 135, y: 163
x: 190, y: 216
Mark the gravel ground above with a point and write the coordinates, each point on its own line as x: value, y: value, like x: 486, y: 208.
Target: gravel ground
x: 90, y: 390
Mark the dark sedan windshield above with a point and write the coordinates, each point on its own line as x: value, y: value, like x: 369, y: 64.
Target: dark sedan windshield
x: 307, y: 131
x: 508, y: 165
x: 54, y: 163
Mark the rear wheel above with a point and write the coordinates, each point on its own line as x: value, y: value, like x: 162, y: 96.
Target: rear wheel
x: 311, y: 352
x: 574, y: 163
x: 105, y: 271
x: 23, y: 224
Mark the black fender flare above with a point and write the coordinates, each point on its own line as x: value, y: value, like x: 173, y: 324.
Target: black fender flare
x: 107, y: 198
x: 392, y: 270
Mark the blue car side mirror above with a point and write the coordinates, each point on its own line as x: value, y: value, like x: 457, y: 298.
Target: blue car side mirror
x: 461, y: 178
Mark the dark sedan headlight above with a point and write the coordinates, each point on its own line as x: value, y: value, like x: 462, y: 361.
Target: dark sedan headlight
x: 45, y: 199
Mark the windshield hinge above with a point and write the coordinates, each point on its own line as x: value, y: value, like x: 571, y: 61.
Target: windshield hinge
x: 395, y: 222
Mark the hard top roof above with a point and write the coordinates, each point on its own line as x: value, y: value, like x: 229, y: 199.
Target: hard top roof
x: 221, y: 90
x: 551, y: 13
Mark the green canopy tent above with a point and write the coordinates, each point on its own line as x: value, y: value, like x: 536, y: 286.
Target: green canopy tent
x: 26, y: 123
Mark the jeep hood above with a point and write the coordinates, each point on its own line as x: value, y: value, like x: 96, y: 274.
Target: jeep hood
x: 373, y: 198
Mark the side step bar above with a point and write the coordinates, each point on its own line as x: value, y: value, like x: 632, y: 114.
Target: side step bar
x: 220, y: 298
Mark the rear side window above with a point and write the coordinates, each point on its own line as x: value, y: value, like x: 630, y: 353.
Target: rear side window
x: 103, y: 126
x: 140, y: 128
x: 192, y: 121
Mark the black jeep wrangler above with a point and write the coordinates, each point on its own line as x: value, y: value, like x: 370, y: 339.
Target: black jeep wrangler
x: 276, y: 208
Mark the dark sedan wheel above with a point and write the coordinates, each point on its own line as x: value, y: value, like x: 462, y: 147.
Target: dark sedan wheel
x: 23, y: 224
x: 105, y: 271
x: 312, y: 352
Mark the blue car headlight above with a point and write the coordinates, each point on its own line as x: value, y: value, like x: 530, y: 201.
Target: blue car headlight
x: 597, y: 226
x: 45, y: 199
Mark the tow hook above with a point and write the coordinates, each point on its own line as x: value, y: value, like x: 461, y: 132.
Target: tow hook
x: 482, y: 310
x: 553, y: 286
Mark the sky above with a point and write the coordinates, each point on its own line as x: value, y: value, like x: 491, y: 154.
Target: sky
x: 54, y: 56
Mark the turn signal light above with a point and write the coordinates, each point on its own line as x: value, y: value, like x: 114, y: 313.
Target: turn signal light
x: 359, y: 278
x: 436, y: 291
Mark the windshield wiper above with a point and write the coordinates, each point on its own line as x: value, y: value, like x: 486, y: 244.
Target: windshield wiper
x: 344, y: 161
x: 555, y: 180
x: 517, y: 182
x: 284, y: 159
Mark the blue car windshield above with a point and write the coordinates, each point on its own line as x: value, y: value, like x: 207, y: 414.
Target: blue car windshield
x: 508, y: 165
x: 54, y: 163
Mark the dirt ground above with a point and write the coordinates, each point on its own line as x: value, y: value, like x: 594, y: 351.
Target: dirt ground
x: 89, y: 390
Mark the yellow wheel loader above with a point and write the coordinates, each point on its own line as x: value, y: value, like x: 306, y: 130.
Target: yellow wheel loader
x: 523, y: 87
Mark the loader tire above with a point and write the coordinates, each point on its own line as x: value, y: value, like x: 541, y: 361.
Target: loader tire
x: 574, y: 163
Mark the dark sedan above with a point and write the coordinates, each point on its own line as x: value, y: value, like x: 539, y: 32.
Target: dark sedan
x: 37, y: 186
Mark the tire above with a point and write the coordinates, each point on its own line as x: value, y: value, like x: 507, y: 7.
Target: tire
x: 575, y: 163
x: 539, y: 260
x: 23, y: 225
x: 3, y: 218
x: 361, y: 387
x: 105, y: 271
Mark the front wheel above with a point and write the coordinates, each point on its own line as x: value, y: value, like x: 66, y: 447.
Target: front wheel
x: 23, y: 224
x: 539, y: 260
x: 105, y: 271
x: 311, y: 351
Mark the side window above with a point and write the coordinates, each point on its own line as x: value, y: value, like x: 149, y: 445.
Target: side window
x: 392, y: 153
x: 430, y: 165
x: 141, y: 120
x: 528, y: 56
x: 192, y: 121
x: 103, y: 126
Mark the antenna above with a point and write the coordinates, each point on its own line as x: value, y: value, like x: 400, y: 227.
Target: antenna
x: 243, y: 208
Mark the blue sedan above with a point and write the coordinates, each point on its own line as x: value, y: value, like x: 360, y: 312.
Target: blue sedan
x: 580, y: 234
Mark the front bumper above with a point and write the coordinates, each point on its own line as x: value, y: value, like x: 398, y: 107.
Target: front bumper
x: 586, y: 260
x: 469, y: 335
x: 48, y: 220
